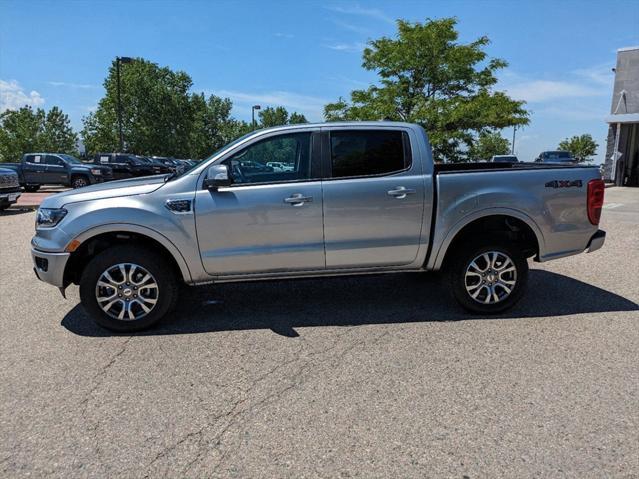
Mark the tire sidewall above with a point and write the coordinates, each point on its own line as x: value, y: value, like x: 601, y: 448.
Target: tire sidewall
x: 152, y: 262
x: 457, y: 278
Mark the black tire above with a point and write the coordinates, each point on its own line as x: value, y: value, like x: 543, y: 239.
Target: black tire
x: 458, y: 280
x: 79, y: 181
x: 161, y: 271
x: 4, y: 207
x: 31, y: 188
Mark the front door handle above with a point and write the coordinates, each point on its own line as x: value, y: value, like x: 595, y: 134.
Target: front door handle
x: 400, y: 192
x: 298, y: 199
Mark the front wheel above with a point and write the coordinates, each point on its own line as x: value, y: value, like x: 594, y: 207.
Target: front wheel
x: 128, y: 288
x: 79, y: 182
x: 488, y: 279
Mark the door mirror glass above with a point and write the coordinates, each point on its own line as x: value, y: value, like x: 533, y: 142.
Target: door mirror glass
x: 217, y: 176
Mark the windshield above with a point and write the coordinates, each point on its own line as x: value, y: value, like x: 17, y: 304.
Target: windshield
x: 558, y: 155
x: 71, y: 159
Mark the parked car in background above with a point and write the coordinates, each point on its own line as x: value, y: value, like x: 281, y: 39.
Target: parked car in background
x: 9, y: 188
x: 125, y: 165
x: 156, y: 163
x: 556, y: 158
x: 37, y: 169
x: 171, y: 163
x: 363, y: 198
x: 504, y: 159
x: 279, y: 166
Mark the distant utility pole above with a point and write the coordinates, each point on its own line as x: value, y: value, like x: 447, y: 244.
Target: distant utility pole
x: 512, y: 149
x: 119, y: 60
x: 253, y: 108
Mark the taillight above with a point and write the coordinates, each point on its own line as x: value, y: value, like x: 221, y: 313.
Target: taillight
x: 595, y: 200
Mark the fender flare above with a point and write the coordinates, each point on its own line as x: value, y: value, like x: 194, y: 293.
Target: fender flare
x: 438, y: 259
x: 144, y: 231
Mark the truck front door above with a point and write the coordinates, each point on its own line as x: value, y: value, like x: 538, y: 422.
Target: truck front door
x: 373, y: 198
x: 266, y: 221
x: 56, y: 171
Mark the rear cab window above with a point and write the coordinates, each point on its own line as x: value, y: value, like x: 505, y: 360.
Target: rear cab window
x: 376, y: 152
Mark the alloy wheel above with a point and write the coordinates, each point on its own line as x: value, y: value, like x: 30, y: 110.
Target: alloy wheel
x: 490, y: 277
x: 126, y: 292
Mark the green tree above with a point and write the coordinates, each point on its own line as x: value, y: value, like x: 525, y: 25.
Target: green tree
x: 26, y: 130
x: 157, y: 113
x: 488, y: 144
x: 297, y: 118
x: 213, y: 127
x: 426, y: 76
x: 582, y: 147
x: 277, y: 116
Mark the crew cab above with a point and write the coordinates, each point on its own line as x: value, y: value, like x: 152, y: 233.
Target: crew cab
x: 9, y: 188
x: 362, y: 198
x: 125, y: 165
x: 37, y: 169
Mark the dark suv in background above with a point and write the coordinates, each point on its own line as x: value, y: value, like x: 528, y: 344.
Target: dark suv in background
x: 37, y: 169
x: 125, y: 165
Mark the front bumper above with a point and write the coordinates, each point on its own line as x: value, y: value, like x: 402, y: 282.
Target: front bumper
x: 10, y: 197
x: 596, y: 241
x: 49, y: 267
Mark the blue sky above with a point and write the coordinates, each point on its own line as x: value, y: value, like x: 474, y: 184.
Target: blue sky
x: 305, y: 54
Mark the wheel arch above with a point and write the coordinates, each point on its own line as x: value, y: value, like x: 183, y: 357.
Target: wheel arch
x: 516, y: 225
x: 98, y: 239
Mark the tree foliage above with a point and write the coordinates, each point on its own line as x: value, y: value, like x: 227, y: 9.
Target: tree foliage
x: 582, y: 147
x: 157, y: 111
x: 487, y: 145
x: 161, y: 116
x: 25, y: 130
x: 279, y: 116
x: 426, y: 76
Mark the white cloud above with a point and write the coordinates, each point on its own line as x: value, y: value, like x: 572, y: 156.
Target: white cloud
x: 354, y: 47
x: 351, y: 27
x: 536, y: 91
x: 284, y: 35
x: 312, y: 107
x: 82, y: 86
x: 599, y: 74
x: 13, y: 96
x: 356, y: 9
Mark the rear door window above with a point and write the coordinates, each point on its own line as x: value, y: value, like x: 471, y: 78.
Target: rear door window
x: 368, y: 152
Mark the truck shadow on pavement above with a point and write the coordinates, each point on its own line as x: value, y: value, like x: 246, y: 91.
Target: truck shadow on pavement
x: 282, y: 306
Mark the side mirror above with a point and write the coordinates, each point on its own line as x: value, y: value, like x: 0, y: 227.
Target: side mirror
x: 217, y: 176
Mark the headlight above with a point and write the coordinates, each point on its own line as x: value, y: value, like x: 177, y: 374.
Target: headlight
x: 48, y: 218
x: 95, y: 171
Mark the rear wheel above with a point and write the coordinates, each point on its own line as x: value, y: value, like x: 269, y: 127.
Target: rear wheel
x: 488, y: 279
x: 128, y: 288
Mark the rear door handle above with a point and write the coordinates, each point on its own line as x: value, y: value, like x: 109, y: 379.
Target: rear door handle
x: 298, y: 199
x: 400, y: 192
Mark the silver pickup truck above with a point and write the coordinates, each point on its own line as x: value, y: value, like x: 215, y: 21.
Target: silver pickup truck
x: 354, y: 198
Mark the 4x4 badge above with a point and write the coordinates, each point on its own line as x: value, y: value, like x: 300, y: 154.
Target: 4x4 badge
x: 564, y: 184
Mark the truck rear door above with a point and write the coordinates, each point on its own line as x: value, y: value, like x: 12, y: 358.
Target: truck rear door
x: 373, y: 197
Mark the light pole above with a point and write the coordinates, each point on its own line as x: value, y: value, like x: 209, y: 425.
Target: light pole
x: 253, y: 108
x: 119, y: 60
x: 512, y: 150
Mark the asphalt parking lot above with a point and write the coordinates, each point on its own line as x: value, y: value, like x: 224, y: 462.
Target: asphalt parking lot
x: 358, y: 377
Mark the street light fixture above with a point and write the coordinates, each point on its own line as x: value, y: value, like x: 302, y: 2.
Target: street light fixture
x: 253, y: 108
x: 119, y: 60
